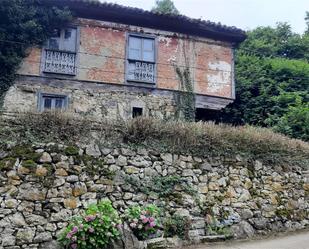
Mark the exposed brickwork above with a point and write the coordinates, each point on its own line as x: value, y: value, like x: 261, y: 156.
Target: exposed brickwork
x: 98, y: 47
x: 102, y: 57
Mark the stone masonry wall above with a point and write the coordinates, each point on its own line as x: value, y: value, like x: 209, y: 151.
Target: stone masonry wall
x: 94, y: 102
x: 44, y: 185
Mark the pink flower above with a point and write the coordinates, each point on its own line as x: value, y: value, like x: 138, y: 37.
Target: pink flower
x: 151, y: 219
x: 91, y: 230
x: 133, y: 225
x: 143, y: 217
x: 75, y: 229
x: 89, y: 218
x: 69, y: 235
x: 152, y: 224
x: 74, y: 246
x: 145, y: 220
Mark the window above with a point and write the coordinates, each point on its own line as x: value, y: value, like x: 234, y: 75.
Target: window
x: 52, y: 102
x: 137, y: 111
x: 60, y: 52
x: 141, y: 59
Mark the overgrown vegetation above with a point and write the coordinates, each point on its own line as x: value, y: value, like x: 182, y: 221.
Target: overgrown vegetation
x: 144, y: 221
x: 272, y: 82
x: 200, y: 139
x: 24, y: 23
x: 97, y: 228
x: 163, y: 186
x: 177, y: 225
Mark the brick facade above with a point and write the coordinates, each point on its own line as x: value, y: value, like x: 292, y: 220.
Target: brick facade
x: 101, y: 60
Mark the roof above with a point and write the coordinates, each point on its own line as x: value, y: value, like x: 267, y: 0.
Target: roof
x: 93, y: 9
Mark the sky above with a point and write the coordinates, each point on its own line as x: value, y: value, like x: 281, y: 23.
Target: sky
x: 244, y: 14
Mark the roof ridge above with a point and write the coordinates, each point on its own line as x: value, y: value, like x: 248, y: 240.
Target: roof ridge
x: 189, y: 22
x: 174, y: 16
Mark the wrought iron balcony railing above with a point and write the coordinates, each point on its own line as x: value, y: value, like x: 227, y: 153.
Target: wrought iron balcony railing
x: 141, y: 71
x: 59, y: 62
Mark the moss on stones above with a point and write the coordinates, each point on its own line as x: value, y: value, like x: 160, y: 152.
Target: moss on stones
x: 30, y: 164
x: 71, y: 151
x: 285, y: 213
x: 7, y: 163
x: 25, y: 152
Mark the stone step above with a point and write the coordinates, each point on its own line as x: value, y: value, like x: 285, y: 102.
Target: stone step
x: 215, y: 238
x: 198, y: 223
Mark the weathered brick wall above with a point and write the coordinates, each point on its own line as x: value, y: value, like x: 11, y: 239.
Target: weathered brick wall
x: 102, y: 50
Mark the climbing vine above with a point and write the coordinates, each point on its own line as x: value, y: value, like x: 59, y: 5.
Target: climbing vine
x: 185, y: 98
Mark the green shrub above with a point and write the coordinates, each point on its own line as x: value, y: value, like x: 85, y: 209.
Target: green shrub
x: 97, y: 228
x: 177, y: 225
x: 144, y: 221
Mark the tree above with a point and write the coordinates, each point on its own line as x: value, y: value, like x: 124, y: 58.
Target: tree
x: 272, y: 81
x: 295, y: 122
x: 24, y: 23
x: 307, y: 21
x: 165, y: 7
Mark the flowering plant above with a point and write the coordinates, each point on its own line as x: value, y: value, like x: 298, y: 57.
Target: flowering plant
x: 144, y: 221
x: 97, y: 228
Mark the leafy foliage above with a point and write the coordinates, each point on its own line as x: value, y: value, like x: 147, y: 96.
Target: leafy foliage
x: 144, y: 221
x: 165, y: 7
x: 24, y: 23
x: 307, y: 21
x: 177, y: 225
x: 272, y: 81
x: 295, y: 122
x: 98, y: 228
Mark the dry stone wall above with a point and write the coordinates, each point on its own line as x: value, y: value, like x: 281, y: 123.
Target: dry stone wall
x: 44, y: 185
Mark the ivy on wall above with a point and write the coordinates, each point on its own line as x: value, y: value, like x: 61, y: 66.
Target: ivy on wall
x: 185, y: 98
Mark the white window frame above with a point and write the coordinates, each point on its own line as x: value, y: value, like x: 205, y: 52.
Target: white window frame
x: 41, y: 102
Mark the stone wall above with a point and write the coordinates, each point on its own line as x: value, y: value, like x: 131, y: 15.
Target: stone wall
x: 44, y: 185
x: 100, y: 101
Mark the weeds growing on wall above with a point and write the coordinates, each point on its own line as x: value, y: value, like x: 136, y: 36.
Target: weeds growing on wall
x: 199, y: 139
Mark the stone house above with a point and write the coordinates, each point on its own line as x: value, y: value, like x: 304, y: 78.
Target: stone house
x: 120, y: 62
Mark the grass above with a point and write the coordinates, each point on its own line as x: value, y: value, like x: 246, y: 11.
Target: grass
x: 199, y: 139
